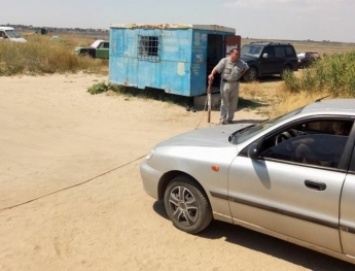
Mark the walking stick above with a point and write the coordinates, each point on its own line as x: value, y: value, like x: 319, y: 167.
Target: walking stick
x: 209, y: 103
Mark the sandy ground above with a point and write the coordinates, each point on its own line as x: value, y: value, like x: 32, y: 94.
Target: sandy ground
x: 54, y: 135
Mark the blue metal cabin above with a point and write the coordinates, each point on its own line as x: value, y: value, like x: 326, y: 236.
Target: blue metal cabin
x: 175, y: 58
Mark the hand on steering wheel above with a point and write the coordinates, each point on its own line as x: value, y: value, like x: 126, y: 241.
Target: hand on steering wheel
x: 282, y: 137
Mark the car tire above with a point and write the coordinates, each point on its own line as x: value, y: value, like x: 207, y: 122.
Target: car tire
x: 187, y: 205
x: 251, y: 75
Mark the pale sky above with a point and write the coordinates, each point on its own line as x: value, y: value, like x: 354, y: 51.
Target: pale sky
x: 275, y: 19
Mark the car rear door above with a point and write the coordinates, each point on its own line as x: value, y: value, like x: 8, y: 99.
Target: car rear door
x: 347, y: 212
x: 267, y: 61
x: 291, y: 57
x: 296, y: 199
x: 280, y: 58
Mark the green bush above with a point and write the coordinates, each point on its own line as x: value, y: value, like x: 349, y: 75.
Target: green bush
x: 333, y: 74
x: 291, y: 82
x: 98, y: 88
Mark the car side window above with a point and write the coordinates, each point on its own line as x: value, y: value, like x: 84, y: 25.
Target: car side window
x: 270, y: 51
x: 279, y: 51
x: 290, y: 52
x: 319, y: 143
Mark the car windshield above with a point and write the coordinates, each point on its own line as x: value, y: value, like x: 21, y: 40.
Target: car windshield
x: 13, y: 34
x: 251, y: 50
x: 242, y: 135
x: 96, y: 43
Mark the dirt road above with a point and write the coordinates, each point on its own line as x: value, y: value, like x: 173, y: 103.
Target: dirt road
x: 54, y: 135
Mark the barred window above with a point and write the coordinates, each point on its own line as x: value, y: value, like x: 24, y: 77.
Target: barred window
x: 148, y: 48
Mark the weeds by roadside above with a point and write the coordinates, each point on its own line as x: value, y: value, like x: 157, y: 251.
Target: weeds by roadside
x: 41, y: 55
x: 98, y: 88
x: 333, y: 74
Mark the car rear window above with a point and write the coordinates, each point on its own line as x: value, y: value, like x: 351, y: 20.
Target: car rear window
x: 290, y: 52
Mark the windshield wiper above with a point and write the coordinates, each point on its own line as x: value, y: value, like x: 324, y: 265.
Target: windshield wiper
x: 236, y: 133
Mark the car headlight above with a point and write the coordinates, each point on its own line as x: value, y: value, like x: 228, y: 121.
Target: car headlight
x: 150, y: 154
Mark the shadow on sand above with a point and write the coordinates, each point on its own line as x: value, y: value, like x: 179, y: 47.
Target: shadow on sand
x: 268, y: 245
x: 188, y: 102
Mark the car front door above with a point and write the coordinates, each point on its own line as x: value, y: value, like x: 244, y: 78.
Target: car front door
x: 102, y: 50
x: 293, y: 186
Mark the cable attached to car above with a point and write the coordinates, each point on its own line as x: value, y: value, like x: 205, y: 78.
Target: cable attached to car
x: 72, y: 186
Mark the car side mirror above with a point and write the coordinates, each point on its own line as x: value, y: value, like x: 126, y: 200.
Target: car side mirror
x: 253, y: 151
x: 265, y: 55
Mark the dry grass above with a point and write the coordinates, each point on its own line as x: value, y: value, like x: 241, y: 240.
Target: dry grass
x: 287, y: 101
x: 333, y: 74
x: 251, y: 90
x: 42, y: 55
x: 262, y: 95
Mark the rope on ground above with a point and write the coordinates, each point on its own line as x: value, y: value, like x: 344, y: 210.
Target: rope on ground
x: 72, y: 186
x: 95, y: 177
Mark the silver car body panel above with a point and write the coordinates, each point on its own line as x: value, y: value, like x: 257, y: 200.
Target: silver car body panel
x: 187, y: 153
x: 273, y: 195
x: 347, y: 218
x: 266, y: 196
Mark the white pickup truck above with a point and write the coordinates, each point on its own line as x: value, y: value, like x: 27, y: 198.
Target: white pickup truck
x: 10, y: 34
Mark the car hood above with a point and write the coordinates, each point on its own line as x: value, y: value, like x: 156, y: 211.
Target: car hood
x: 211, y: 137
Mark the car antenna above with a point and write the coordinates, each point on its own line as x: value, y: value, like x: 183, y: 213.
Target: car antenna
x: 320, y: 99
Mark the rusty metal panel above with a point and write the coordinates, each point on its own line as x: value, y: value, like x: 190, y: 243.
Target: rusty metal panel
x: 232, y: 41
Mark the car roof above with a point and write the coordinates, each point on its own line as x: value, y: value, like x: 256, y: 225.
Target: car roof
x: 96, y: 43
x: 264, y: 43
x: 6, y: 28
x: 335, y: 106
x: 308, y: 52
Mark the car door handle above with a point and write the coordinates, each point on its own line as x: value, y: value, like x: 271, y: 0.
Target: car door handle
x: 315, y: 185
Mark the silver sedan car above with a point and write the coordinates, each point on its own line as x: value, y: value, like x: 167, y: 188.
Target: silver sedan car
x: 292, y: 177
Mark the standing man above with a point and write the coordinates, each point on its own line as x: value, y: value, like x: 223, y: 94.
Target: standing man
x: 231, y: 69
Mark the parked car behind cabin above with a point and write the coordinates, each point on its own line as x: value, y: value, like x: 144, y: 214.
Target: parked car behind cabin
x: 292, y: 177
x: 10, y: 34
x: 306, y: 59
x: 268, y: 58
x: 98, y: 49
